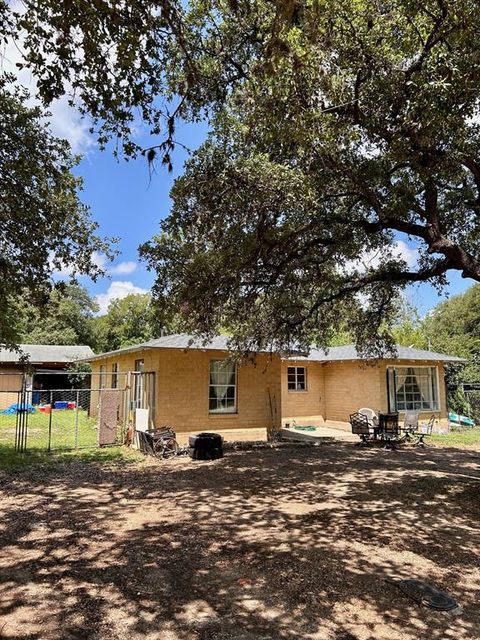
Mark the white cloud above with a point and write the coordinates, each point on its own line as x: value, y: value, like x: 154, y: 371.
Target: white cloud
x: 372, y: 259
x: 99, y: 259
x: 117, y: 289
x: 408, y: 253
x: 124, y: 268
x: 65, y: 121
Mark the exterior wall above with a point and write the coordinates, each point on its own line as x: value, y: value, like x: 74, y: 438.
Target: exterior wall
x: 352, y: 385
x: 182, y: 385
x: 305, y: 407
x: 10, y: 385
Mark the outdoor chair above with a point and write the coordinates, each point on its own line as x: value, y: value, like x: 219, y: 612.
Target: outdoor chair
x: 361, y: 427
x: 370, y: 414
x: 410, y: 424
x: 423, y: 431
x: 389, y: 429
x: 372, y: 418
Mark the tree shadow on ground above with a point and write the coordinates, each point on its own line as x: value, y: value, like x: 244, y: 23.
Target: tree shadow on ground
x: 291, y: 543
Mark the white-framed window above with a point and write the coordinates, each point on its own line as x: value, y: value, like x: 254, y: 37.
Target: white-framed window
x: 413, y: 388
x: 297, y: 378
x: 222, y: 388
x: 114, y: 375
x: 102, y: 376
x: 139, y: 385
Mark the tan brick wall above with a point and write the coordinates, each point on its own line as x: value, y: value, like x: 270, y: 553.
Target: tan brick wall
x: 352, y: 385
x: 182, y: 379
x: 305, y: 407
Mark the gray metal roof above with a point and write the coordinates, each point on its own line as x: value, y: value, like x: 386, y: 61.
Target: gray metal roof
x: 349, y: 352
x: 334, y: 354
x: 47, y: 353
x: 174, y: 341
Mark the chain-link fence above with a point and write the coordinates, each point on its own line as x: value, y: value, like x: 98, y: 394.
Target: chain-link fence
x: 51, y: 411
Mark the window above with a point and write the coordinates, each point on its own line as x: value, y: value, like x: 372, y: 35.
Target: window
x: 222, y: 397
x: 297, y: 378
x: 139, y: 383
x: 102, y: 377
x: 114, y: 375
x: 413, y: 388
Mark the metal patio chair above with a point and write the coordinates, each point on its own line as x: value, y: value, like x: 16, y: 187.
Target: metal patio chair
x: 423, y: 431
x: 372, y: 419
x: 361, y: 427
x: 410, y: 424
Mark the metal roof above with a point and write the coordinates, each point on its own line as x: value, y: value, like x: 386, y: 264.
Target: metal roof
x: 47, y: 353
x: 173, y: 341
x: 334, y: 354
x: 349, y: 352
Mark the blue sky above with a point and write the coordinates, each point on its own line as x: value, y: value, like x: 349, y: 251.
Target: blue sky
x: 128, y: 204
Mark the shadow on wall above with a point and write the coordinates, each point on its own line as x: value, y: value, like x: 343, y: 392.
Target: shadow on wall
x: 282, y: 544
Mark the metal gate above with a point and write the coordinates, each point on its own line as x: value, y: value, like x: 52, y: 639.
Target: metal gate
x: 54, y: 411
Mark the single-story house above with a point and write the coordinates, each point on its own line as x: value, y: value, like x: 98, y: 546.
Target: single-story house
x: 194, y: 386
x: 46, y: 369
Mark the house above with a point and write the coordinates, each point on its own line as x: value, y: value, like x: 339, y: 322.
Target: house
x: 46, y: 368
x: 194, y: 386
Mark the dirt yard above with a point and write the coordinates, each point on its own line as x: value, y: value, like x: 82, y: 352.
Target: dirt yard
x: 270, y: 544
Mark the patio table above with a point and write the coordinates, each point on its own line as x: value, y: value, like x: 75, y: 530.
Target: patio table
x: 388, y: 427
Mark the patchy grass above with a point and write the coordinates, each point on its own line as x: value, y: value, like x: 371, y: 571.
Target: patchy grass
x: 465, y: 438
x: 10, y: 460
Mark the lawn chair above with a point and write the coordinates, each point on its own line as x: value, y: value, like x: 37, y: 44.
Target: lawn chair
x: 389, y: 429
x: 361, y: 427
x: 423, y: 431
x: 410, y: 424
x: 372, y: 419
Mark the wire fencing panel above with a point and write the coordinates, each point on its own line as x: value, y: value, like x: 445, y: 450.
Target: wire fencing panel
x: 10, y: 401
x: 473, y: 398
x: 51, y: 411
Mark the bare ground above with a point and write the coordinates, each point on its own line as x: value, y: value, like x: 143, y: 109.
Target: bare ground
x: 266, y: 544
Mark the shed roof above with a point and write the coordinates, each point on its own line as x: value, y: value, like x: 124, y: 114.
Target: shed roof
x: 47, y: 353
x: 334, y: 354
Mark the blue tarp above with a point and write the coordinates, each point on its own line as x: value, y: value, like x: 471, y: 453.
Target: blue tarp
x: 15, y: 408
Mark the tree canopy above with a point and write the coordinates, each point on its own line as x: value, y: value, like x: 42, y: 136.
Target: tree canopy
x: 128, y: 321
x: 336, y: 127
x: 67, y: 317
x: 44, y: 225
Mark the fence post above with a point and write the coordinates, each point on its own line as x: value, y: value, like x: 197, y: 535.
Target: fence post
x: 21, y: 423
x: 50, y: 414
x: 76, y: 418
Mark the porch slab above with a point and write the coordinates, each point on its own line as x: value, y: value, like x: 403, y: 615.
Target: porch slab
x: 332, y: 430
x: 328, y: 430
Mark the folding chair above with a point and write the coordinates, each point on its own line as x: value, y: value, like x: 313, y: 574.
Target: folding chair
x: 423, y: 431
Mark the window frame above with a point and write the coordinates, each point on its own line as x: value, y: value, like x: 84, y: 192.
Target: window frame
x: 228, y: 385
x: 114, y: 375
x: 102, y: 376
x: 296, y: 389
x: 139, y: 383
x: 434, y: 390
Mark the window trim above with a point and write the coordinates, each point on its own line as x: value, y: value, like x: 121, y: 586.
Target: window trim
x: 114, y: 375
x: 102, y: 376
x: 392, y: 392
x: 226, y: 411
x: 296, y: 367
